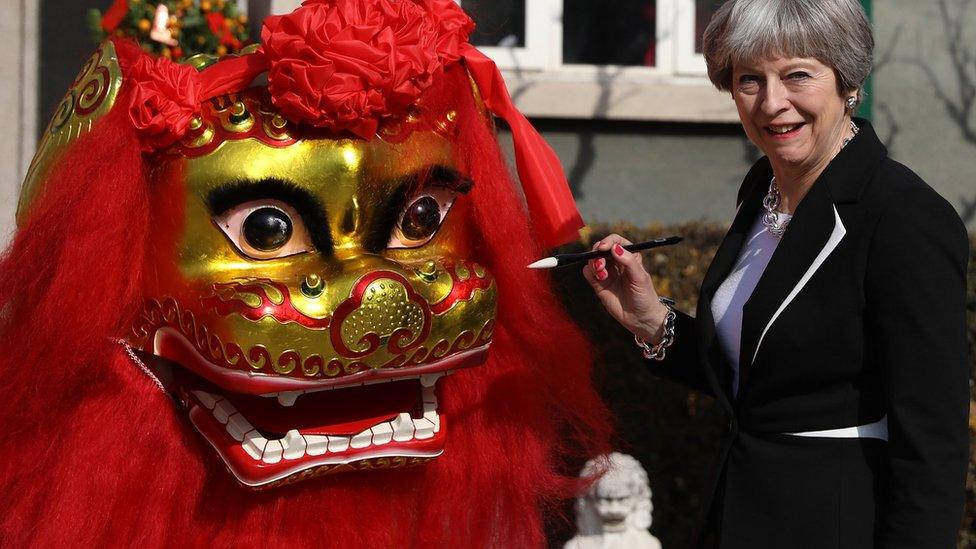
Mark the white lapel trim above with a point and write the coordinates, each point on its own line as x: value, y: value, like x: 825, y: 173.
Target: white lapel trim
x: 835, y: 237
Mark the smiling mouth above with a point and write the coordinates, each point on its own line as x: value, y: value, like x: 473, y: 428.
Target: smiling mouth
x: 278, y: 437
x: 262, y: 441
x: 784, y: 130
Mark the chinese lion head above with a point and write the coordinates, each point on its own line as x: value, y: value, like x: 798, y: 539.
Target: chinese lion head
x: 314, y: 250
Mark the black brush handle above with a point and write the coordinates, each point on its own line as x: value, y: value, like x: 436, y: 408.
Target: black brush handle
x: 569, y: 259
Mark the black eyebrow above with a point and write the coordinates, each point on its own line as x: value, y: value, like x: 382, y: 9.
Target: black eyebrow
x: 308, y: 206
x: 378, y: 235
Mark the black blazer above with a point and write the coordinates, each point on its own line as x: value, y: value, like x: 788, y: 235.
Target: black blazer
x: 860, y: 313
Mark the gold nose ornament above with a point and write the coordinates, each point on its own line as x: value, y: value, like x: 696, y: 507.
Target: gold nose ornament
x: 428, y: 271
x: 313, y: 286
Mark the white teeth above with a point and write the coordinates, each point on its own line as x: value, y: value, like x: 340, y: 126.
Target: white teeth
x: 237, y: 426
x: 206, y: 399
x: 783, y: 129
x: 254, y: 444
x: 382, y: 433
x: 293, y: 444
x: 429, y: 380
x: 361, y: 440
x: 403, y: 428
x: 425, y: 429
x: 338, y: 444
x: 288, y: 398
x: 434, y: 419
x: 223, y: 410
x: 272, y: 452
x: 316, y: 445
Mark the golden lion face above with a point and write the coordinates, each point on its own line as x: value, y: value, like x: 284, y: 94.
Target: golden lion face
x: 307, y: 291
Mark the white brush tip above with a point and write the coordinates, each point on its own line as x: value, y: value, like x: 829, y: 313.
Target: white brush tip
x: 545, y: 263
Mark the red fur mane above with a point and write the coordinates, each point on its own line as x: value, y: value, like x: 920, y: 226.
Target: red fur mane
x: 94, y: 454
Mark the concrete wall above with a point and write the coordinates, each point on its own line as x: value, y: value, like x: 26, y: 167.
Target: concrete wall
x: 18, y: 98
x: 650, y: 172
x: 918, y: 123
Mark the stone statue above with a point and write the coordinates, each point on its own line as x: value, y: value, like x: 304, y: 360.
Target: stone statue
x: 615, y: 512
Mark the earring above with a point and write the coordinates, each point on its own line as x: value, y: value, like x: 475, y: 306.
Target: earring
x: 851, y: 103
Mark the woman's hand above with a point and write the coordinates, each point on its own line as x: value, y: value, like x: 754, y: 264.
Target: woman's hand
x: 626, y: 289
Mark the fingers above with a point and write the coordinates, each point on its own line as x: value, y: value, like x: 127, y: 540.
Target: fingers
x: 608, y: 241
x: 599, y: 280
x: 622, y: 262
x: 631, y: 264
x: 596, y: 269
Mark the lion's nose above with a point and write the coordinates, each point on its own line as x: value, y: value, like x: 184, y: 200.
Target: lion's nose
x: 312, y: 286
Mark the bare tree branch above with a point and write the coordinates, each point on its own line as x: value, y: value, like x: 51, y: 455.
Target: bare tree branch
x: 893, y: 128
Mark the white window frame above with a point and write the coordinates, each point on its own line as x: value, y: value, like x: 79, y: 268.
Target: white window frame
x: 686, y: 60
x: 543, y: 39
x: 675, y: 89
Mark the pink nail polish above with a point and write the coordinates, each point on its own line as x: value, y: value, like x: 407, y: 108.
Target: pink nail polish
x: 601, y: 275
x: 618, y: 249
x: 601, y: 263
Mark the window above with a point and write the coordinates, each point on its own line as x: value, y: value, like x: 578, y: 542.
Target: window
x: 627, y: 59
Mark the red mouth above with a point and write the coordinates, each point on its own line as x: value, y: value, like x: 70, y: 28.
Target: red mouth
x: 777, y: 131
x: 263, y: 443
x: 272, y: 430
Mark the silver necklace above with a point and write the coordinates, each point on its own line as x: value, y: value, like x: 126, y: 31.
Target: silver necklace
x: 770, y: 218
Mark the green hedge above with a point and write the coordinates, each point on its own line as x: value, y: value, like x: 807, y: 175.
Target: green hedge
x: 671, y: 430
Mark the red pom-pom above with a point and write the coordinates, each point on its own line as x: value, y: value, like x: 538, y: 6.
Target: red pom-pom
x: 165, y: 96
x: 343, y: 65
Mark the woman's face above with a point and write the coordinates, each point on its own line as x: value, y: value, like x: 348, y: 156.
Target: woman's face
x: 791, y: 109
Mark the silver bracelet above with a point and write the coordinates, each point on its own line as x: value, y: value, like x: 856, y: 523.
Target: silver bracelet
x: 657, y: 352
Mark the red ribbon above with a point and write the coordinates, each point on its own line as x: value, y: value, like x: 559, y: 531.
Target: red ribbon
x: 551, y: 204
x: 114, y: 15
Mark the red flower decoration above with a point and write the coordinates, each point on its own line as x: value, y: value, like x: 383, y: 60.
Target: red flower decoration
x: 343, y: 64
x: 165, y: 96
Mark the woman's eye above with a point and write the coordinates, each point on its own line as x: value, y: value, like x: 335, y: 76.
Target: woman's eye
x: 748, y: 82
x: 422, y: 217
x: 265, y: 229
x: 798, y: 75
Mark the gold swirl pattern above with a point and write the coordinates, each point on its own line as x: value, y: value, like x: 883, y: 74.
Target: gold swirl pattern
x: 91, y: 96
x: 93, y: 91
x: 258, y: 358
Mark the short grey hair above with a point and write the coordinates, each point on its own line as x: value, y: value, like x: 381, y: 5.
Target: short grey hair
x: 835, y: 32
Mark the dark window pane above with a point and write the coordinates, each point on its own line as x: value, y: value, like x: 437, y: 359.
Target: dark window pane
x: 609, y: 32
x: 499, y: 22
x: 704, y: 10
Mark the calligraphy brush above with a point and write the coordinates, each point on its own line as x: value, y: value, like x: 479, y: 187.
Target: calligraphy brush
x: 568, y: 259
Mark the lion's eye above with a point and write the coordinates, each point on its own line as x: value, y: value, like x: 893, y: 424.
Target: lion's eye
x: 422, y: 217
x: 265, y: 229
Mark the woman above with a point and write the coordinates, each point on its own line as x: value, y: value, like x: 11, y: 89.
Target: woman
x: 831, y: 323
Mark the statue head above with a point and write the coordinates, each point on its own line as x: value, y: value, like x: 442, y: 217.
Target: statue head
x: 619, y: 500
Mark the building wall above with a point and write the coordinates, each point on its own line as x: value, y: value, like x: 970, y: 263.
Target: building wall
x: 18, y: 97
x: 641, y: 172
x: 648, y: 172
